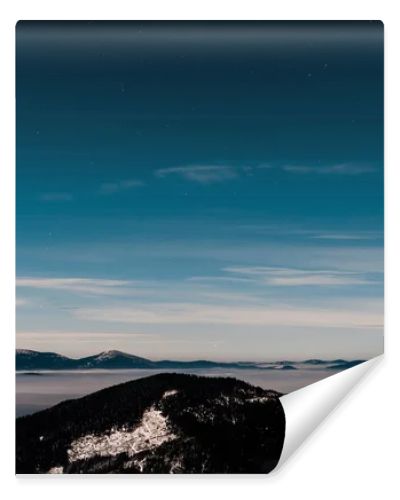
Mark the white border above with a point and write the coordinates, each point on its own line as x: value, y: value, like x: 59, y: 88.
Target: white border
x: 356, y: 451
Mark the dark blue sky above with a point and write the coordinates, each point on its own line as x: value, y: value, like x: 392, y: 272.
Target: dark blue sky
x: 200, y: 166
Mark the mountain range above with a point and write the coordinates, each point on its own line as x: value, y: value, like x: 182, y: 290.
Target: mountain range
x: 165, y: 423
x: 28, y: 360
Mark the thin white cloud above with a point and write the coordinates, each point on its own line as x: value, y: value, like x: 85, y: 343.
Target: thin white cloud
x: 298, y: 277
x: 117, y: 186
x: 346, y: 236
x: 203, y: 174
x: 338, y: 169
x: 207, y: 174
x: 175, y: 313
x: 81, y: 285
x: 200, y: 290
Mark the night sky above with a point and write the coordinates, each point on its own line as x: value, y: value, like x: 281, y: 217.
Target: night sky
x: 200, y: 189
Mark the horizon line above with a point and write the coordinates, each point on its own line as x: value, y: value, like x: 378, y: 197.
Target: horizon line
x: 276, y: 360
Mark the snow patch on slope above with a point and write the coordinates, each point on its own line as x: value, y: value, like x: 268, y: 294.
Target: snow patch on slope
x: 167, y: 394
x: 152, y: 431
x: 106, y: 355
x: 260, y: 399
x: 56, y: 470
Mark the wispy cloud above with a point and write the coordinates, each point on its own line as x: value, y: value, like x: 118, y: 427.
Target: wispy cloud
x: 202, y: 314
x: 337, y: 169
x: 203, y: 174
x: 81, y: 285
x: 56, y: 196
x: 207, y: 174
x: 122, y: 185
x: 369, y: 235
x: 298, y: 277
x: 148, y: 290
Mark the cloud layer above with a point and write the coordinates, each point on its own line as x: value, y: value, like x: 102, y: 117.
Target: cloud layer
x: 206, y: 174
x: 79, y: 285
x: 298, y: 277
x: 200, y: 314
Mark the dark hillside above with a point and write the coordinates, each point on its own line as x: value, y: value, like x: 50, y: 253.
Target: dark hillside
x: 159, y: 424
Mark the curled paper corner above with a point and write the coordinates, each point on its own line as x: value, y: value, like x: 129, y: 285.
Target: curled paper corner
x: 305, y: 409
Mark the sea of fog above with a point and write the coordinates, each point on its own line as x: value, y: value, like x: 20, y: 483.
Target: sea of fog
x: 39, y: 390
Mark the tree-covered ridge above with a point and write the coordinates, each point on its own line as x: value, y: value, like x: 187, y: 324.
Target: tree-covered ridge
x: 216, y: 425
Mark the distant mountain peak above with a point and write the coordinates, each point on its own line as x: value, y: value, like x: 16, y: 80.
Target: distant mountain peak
x: 112, y: 353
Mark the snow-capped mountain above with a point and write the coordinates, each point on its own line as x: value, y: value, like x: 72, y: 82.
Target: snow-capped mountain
x: 114, y: 359
x: 166, y: 423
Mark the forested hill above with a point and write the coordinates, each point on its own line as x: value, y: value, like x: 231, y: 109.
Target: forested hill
x: 166, y: 423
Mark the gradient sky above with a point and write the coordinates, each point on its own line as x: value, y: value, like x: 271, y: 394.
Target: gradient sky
x: 200, y: 189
